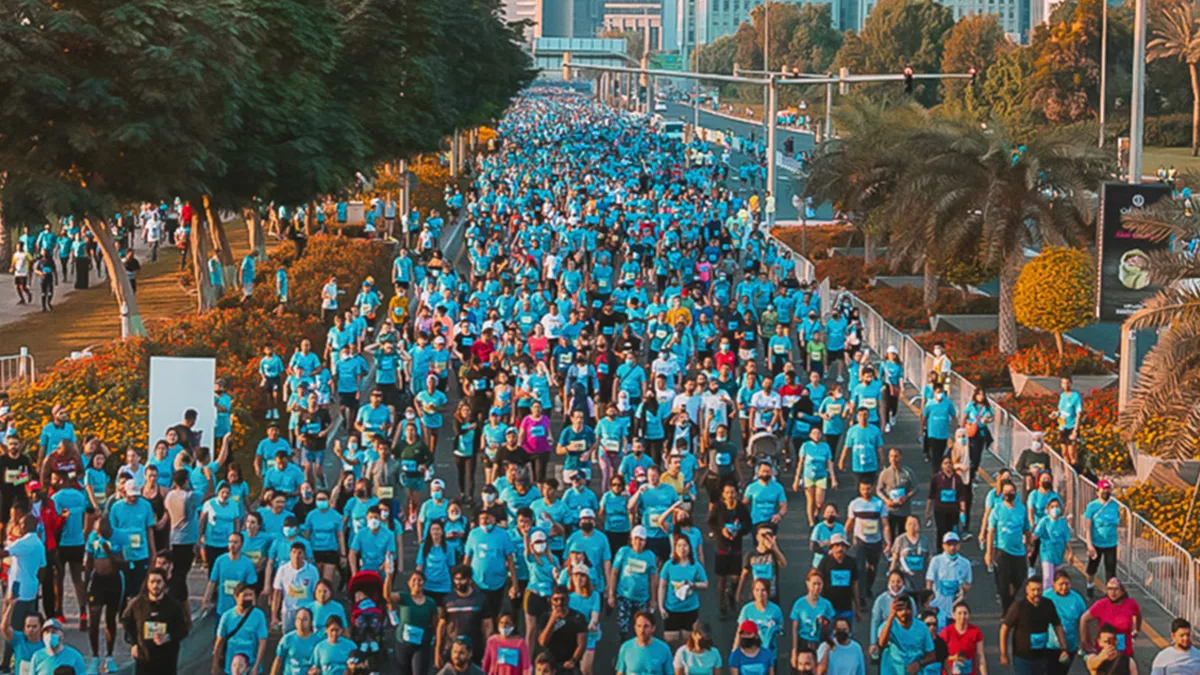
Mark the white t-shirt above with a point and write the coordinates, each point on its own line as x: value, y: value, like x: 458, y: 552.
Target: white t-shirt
x: 297, y: 586
x: 947, y: 576
x: 1171, y: 661
x: 719, y: 404
x: 692, y: 663
x: 764, y: 406
x: 20, y: 261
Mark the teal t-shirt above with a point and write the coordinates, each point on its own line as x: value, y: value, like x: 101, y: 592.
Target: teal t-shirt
x: 681, y: 580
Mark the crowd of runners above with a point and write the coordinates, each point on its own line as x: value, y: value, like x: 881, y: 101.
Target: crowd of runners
x: 601, y: 410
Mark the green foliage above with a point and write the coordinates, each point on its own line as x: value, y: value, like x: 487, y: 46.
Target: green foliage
x: 974, y: 42
x: 1067, y: 66
x: 900, y: 33
x: 1055, y: 291
x: 1005, y: 93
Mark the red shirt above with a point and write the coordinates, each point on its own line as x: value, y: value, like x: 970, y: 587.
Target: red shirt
x: 726, y: 359
x: 962, y: 644
x: 1121, y: 616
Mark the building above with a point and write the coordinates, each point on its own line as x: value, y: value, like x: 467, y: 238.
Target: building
x: 569, y: 18
x: 523, y: 10
x: 643, y: 17
x: 1013, y: 15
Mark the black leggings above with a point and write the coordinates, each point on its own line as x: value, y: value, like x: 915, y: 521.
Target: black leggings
x: 945, y: 520
x: 47, y: 293
x: 104, y: 595
x: 975, y: 447
x: 414, y: 659
x: 182, y: 557
x: 466, y: 475
x: 1011, y: 574
x: 1109, y: 555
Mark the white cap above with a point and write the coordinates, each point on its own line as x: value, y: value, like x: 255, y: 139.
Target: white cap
x: 537, y: 535
x: 837, y: 539
x: 638, y: 531
x: 950, y: 537
x: 892, y: 349
x: 580, y: 568
x: 587, y: 513
x: 438, y: 483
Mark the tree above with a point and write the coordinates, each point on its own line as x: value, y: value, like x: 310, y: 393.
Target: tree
x: 815, y: 42
x: 1005, y: 94
x: 988, y: 193
x: 858, y: 170
x: 1055, y: 292
x: 635, y: 43
x: 899, y: 33
x: 116, y: 101
x: 1066, y: 77
x: 974, y: 42
x: 1177, y: 36
x: 1168, y: 384
x: 717, y: 56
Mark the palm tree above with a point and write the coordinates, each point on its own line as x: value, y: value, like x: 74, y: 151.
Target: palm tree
x: 857, y: 171
x: 1168, y: 384
x: 1177, y: 36
x: 976, y: 189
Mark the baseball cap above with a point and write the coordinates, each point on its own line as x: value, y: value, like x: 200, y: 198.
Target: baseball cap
x: 837, y: 539
x: 639, y: 531
x: 1103, y: 483
x: 950, y: 537
x: 748, y: 627
x: 51, y: 623
x: 892, y: 349
x: 438, y: 483
x: 580, y: 568
x: 537, y: 535
x: 587, y: 513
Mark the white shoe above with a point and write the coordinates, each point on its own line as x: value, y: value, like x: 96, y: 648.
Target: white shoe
x: 840, y: 379
x: 887, y: 428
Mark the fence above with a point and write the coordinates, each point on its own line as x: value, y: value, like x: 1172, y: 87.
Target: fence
x: 15, y: 369
x: 1146, y: 557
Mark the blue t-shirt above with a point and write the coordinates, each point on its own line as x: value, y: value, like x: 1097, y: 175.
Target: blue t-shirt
x: 816, y: 458
x: 296, y: 652
x: 864, y: 444
x: 769, y: 622
x: 1070, y: 406
x: 45, y: 663
x: 1104, y: 518
x: 653, y: 659
x: 764, y: 500
x: 759, y: 664
x: 1070, y: 607
x: 331, y: 658
x: 488, y: 553
x: 1010, y: 523
x: 227, y: 573
x: 322, y: 528
x: 131, y: 520
x: 678, y: 577
x: 77, y: 503
x: 373, y: 547
x: 939, y: 415
x: 812, y: 623
x: 220, y: 521
x: 633, y: 573
x: 245, y: 640
x: 905, y: 646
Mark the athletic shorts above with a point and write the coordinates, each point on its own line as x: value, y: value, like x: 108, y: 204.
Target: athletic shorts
x: 536, y: 605
x: 314, y: 457
x: 327, y: 557
x: 70, y: 554
x: 273, y: 385
x: 493, y: 600
x: 834, y: 355
x: 680, y: 621
x: 822, y: 483
x: 348, y: 399
x: 1064, y: 436
x: 106, y: 591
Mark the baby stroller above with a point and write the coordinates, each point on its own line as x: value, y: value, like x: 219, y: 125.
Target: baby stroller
x: 366, y: 615
x: 764, y: 445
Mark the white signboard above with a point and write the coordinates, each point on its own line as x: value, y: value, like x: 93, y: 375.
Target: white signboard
x: 177, y: 385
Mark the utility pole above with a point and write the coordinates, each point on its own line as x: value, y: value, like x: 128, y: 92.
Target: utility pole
x: 1137, y: 107
x: 766, y: 51
x: 1103, y: 66
x: 772, y: 116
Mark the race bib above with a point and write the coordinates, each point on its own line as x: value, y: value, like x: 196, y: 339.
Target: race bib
x: 253, y: 556
x: 411, y: 634
x: 964, y: 666
x: 839, y: 578
x: 612, y: 445
x: 724, y: 459
x: 135, y: 540
x: 780, y: 349
x: 26, y: 668
x: 949, y: 496
x: 537, y: 431
x: 297, y: 591
x: 635, y: 566
x: 834, y: 409
x: 1038, y: 640
x: 915, y: 563
x: 577, y: 446
x: 408, y: 465
x: 152, y: 628
x: 12, y: 475
x: 481, y: 384
x: 896, y: 494
x: 870, y: 528
x: 870, y: 403
x: 507, y: 656
x: 1122, y: 641
x: 385, y: 492
x: 762, y: 570
x: 230, y: 586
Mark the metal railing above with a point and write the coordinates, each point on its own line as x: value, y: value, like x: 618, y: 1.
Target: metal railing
x: 17, y: 369
x: 1146, y: 557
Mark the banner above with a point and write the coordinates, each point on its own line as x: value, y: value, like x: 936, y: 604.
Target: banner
x: 179, y: 384
x: 1123, y: 283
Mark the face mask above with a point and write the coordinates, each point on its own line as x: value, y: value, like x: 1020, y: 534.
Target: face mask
x: 488, y: 498
x: 384, y: 513
x: 488, y: 528
x: 841, y: 635
x: 361, y: 494
x: 952, y: 556
x: 322, y: 504
x: 587, y: 527
x: 722, y: 439
x: 410, y: 416
x: 373, y: 523
x: 1037, y: 446
x: 223, y: 500
x: 724, y: 348
x: 290, y: 532
x: 629, y: 362
x: 462, y: 585
x: 539, y: 547
x: 52, y: 640
x: 1046, y: 485
x: 437, y: 495
x: 1009, y: 499
x: 749, y: 643
x: 831, y: 519
x: 937, y: 351
x: 506, y: 630
x: 939, y: 396
x: 1054, y: 513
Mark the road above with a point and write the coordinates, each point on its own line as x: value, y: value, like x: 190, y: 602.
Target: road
x: 784, y: 210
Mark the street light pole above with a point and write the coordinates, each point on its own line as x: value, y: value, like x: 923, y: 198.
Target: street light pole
x: 1103, y: 65
x: 1137, y: 107
x: 766, y: 48
x: 828, y: 110
x: 772, y: 116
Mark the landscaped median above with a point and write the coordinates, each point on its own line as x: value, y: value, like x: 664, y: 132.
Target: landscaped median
x: 977, y: 359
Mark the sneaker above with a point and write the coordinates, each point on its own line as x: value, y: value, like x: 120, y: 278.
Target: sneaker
x: 93, y: 666
x: 887, y: 428
x: 110, y: 665
x: 83, y: 622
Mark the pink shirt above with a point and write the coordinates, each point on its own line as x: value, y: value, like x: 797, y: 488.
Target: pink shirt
x: 536, y: 434
x: 1121, y: 616
x: 506, y: 656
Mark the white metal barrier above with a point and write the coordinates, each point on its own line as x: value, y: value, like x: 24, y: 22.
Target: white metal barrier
x: 16, y: 369
x: 1146, y: 557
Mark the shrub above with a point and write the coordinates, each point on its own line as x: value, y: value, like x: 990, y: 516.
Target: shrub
x: 351, y: 260
x: 903, y: 307
x: 1172, y: 131
x: 1043, y: 361
x: 816, y: 241
x: 974, y: 355
x: 850, y: 272
x: 1055, y: 292
x: 1166, y: 508
x: 1099, y: 436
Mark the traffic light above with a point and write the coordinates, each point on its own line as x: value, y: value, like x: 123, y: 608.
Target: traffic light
x: 972, y: 72
x: 908, y: 80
